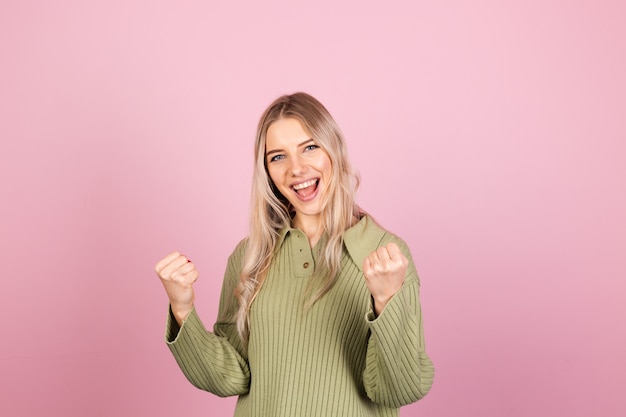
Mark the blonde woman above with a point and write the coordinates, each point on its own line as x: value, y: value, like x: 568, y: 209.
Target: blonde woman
x: 319, y: 312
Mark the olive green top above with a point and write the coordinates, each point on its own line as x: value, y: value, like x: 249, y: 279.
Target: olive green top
x: 334, y: 359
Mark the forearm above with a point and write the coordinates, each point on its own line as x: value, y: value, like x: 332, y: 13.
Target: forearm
x: 398, y: 371
x: 208, y: 361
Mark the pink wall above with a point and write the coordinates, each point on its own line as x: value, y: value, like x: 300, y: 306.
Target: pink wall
x: 490, y: 135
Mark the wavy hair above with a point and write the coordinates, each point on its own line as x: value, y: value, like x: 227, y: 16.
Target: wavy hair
x: 270, y: 210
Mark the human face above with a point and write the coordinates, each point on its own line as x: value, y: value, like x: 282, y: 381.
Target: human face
x: 299, y: 168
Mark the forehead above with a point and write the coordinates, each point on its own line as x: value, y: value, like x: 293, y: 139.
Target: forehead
x: 286, y: 131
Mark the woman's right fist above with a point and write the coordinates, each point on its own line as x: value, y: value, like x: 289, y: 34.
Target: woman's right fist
x: 178, y: 274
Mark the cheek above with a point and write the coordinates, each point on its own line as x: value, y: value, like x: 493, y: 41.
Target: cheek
x: 326, y: 167
x: 274, y: 175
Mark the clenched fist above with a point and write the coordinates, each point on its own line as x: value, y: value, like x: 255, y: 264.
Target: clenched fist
x: 384, y: 271
x: 178, y: 274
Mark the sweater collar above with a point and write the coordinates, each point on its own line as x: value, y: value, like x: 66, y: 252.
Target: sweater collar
x: 359, y: 240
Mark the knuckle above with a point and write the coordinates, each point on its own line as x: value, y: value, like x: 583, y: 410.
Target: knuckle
x: 163, y: 272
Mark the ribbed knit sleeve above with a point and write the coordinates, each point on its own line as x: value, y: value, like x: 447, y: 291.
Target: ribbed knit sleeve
x: 216, y: 361
x: 397, y: 369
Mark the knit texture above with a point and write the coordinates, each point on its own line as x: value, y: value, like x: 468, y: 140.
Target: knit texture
x: 335, y: 359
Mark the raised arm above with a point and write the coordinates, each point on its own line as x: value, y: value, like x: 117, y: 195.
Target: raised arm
x: 397, y: 370
x: 212, y: 361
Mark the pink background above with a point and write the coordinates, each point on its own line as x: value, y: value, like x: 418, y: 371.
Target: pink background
x: 490, y: 135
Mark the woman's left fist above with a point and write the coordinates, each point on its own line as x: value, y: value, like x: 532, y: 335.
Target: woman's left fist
x: 384, y: 271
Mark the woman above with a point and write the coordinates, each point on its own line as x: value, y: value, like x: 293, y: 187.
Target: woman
x: 319, y: 312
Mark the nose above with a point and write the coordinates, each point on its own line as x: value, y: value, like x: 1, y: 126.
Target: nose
x: 298, y: 167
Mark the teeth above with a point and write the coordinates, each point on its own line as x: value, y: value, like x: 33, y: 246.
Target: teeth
x: 304, y: 184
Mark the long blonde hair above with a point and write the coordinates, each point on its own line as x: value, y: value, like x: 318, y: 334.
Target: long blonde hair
x: 270, y: 210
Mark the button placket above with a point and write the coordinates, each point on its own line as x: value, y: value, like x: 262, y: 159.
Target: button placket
x: 302, y: 256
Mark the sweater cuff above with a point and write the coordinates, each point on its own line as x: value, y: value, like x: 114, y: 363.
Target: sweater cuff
x: 173, y: 329
x: 395, y: 312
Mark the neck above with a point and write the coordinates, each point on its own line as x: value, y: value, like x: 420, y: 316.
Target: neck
x: 311, y: 226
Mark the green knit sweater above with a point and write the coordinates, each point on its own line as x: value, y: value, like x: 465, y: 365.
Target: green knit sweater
x: 335, y: 359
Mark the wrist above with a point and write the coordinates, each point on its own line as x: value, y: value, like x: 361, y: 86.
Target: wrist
x: 180, y: 312
x: 379, y: 305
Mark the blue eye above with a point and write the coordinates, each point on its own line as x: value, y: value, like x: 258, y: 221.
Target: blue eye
x: 311, y: 147
x: 276, y: 158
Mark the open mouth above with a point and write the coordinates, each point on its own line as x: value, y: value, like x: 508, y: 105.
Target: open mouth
x: 307, y: 188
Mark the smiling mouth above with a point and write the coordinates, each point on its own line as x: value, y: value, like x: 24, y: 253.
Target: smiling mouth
x: 305, y: 189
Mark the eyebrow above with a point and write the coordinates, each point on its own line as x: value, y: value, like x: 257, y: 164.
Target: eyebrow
x: 280, y: 150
